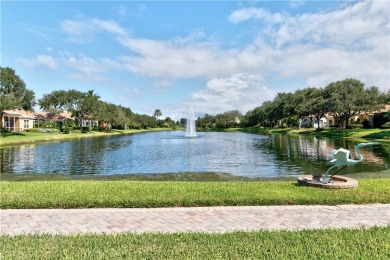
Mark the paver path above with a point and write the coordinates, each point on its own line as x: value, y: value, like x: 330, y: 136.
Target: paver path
x: 201, y: 219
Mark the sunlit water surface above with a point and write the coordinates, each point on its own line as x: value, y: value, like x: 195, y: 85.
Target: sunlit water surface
x: 239, y: 154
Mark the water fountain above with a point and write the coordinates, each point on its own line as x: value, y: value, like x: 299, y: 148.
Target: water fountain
x: 191, y: 129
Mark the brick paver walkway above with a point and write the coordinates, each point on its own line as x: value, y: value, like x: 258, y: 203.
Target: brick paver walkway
x: 202, y: 219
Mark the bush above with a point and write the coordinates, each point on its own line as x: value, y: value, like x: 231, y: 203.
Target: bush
x: 43, y: 130
x: 386, y: 125
x: 31, y: 130
x: 48, y: 124
x: 77, y: 131
x: 86, y: 129
x: 47, y: 130
x: 366, y: 124
x: 3, y: 130
x: 355, y: 126
x: 70, y: 123
x: 67, y: 130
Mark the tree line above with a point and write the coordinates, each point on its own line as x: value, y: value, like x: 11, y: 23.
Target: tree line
x: 340, y: 99
x: 81, y: 105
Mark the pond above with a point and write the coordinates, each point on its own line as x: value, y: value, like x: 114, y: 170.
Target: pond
x: 235, y: 153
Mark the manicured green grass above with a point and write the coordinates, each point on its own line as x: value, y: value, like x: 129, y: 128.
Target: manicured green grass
x: 138, y: 194
x: 371, y: 243
x: 30, y: 137
x: 364, y: 135
x: 348, y: 133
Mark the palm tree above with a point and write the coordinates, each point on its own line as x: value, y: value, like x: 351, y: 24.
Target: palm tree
x: 157, y: 114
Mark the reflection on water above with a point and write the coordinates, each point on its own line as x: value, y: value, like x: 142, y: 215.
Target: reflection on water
x: 240, y: 154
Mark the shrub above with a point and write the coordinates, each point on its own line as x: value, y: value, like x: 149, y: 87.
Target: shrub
x: 77, y: 131
x: 42, y: 130
x: 70, y: 123
x: 355, y: 126
x: 86, y: 129
x: 31, y: 130
x: 366, y: 124
x: 67, y: 130
x: 47, y: 130
x: 3, y: 130
x: 48, y: 124
x: 386, y: 125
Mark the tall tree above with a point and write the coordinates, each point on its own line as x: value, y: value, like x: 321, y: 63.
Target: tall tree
x: 55, y: 102
x: 90, y: 102
x: 228, y: 119
x: 348, y: 97
x: 157, y: 114
x: 285, y: 109
x: 13, y: 91
x: 386, y: 98
x: 311, y: 103
x: 206, y: 121
x: 78, y: 103
x: 146, y: 121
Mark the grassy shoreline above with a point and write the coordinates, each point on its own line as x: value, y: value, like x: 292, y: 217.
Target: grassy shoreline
x: 363, y: 135
x: 153, y: 194
x: 7, y: 139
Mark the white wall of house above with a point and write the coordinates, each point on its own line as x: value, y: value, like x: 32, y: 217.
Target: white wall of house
x: 26, y: 123
x: 89, y: 123
x: 322, y: 123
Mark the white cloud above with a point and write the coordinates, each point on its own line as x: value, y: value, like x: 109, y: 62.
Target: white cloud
x: 242, y: 91
x: 352, y: 41
x: 78, y: 67
x: 183, y: 58
x: 109, y: 26
x: 255, y: 13
x: 326, y: 46
x: 78, y: 31
x: 314, y: 47
x: 45, y: 60
x: 83, y: 31
x: 348, y: 26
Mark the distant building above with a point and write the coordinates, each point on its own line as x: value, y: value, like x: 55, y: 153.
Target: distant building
x: 19, y: 120
x: 375, y: 119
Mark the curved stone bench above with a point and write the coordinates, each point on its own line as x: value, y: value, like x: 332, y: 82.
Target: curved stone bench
x: 338, y: 182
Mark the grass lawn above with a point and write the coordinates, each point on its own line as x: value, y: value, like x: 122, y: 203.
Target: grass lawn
x: 381, y: 135
x: 371, y: 243
x: 30, y: 137
x: 361, y: 135
x: 138, y: 194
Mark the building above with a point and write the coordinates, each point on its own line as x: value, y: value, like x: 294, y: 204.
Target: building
x: 375, y: 119
x: 17, y: 120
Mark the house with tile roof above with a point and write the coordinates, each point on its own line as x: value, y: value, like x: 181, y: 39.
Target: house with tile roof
x: 17, y: 120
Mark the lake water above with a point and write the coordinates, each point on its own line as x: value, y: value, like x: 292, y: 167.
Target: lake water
x: 239, y: 154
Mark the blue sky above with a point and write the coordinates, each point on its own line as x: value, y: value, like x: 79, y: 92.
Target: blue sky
x: 214, y: 55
